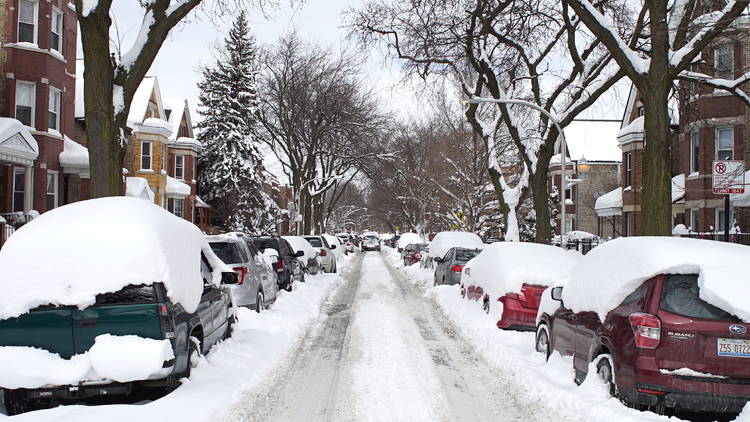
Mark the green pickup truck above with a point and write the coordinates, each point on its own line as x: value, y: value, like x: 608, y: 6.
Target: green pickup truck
x: 144, y: 311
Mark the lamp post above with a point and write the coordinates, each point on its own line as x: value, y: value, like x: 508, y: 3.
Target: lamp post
x: 563, y: 149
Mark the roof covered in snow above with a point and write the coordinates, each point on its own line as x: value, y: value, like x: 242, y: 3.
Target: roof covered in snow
x: 74, y: 154
x: 178, y: 107
x: 137, y: 187
x: 594, y: 141
x: 177, y: 188
x: 611, y: 271
x: 70, y: 254
x: 149, y: 88
x: 407, y: 238
x: 633, y: 131
x: 16, y: 143
x: 609, y: 204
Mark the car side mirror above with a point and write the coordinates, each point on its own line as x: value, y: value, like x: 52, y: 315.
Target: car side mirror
x: 332, y: 247
x: 438, y: 260
x: 557, y: 293
x: 229, y: 278
x: 299, y: 254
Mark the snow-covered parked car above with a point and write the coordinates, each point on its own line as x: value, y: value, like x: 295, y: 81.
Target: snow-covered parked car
x: 406, y: 239
x: 310, y: 256
x: 258, y: 284
x: 370, y: 243
x: 444, y: 241
x: 449, y: 268
x: 664, y: 321
x: 339, y: 251
x: 101, y: 295
x: 508, y: 279
x: 326, y: 255
x: 347, y: 241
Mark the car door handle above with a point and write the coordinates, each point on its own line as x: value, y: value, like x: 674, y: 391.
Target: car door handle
x: 88, y: 322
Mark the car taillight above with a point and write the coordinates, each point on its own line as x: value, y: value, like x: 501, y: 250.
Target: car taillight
x: 163, y: 309
x: 279, y: 266
x: 323, y: 252
x: 241, y: 273
x: 418, y: 256
x: 647, y: 330
x: 167, y: 323
x: 457, y: 268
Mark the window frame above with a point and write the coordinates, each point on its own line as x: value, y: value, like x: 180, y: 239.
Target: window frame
x: 53, y: 90
x: 32, y: 85
x: 718, y: 131
x: 729, y: 71
x: 181, y: 207
x: 150, y: 155
x: 719, y: 226
x: 694, y: 219
x: 56, y: 189
x: 55, y: 11
x: 177, y: 158
x: 695, y: 145
x: 628, y: 169
x: 22, y: 172
x: 35, y: 24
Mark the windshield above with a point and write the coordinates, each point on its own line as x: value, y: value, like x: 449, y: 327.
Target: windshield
x: 315, y: 241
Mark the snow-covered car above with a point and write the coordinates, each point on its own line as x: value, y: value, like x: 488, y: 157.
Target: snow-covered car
x: 258, y: 284
x: 371, y: 243
x: 508, y: 279
x: 102, y: 295
x: 406, y: 239
x: 339, y: 251
x: 346, y: 241
x: 663, y: 321
x: 413, y: 253
x: 444, y: 241
x: 310, y: 256
x: 287, y: 265
x: 326, y: 255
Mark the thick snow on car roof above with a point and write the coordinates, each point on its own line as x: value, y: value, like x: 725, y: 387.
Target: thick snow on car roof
x: 607, y: 274
x: 503, y: 267
x: 300, y: 244
x: 443, y: 241
x: 70, y: 254
x: 408, y: 238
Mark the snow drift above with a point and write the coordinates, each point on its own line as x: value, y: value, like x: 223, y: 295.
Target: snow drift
x: 70, y: 254
x: 607, y: 274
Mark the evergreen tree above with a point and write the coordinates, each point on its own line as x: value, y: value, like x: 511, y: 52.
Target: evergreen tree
x: 231, y: 168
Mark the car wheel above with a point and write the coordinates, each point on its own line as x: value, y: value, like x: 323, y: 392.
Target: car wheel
x: 288, y: 287
x: 230, y: 326
x: 194, y: 354
x: 486, y: 306
x: 15, y: 403
x: 542, y: 341
x: 302, y: 278
x: 260, y: 301
x: 605, y: 372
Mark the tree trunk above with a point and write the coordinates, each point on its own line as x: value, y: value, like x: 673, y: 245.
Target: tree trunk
x: 102, y: 127
x: 656, y: 202
x: 504, y: 208
x: 307, y: 213
x: 541, y: 202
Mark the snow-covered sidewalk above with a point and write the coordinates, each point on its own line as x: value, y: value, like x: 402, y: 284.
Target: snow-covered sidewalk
x: 548, y: 387
x: 259, y: 345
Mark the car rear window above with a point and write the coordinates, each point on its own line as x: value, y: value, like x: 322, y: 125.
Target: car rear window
x: 130, y: 294
x: 266, y: 243
x: 465, y: 254
x: 680, y: 295
x: 229, y: 252
x: 315, y: 241
x: 635, y: 296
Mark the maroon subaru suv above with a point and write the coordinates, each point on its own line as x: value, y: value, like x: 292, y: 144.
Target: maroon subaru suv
x: 662, y: 347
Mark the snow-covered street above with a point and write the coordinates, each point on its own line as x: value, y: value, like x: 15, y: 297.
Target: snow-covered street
x: 385, y: 353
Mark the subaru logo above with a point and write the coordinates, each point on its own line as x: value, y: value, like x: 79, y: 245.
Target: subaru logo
x: 737, y: 329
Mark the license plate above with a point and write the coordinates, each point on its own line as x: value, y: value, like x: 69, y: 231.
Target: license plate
x: 733, y: 347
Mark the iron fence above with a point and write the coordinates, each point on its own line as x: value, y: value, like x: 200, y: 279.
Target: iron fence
x: 739, y: 238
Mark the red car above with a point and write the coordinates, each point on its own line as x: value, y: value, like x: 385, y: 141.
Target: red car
x: 662, y: 347
x: 413, y: 253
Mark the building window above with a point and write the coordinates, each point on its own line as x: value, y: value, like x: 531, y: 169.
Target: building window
x: 695, y: 148
x: 720, y: 219
x: 693, y: 87
x: 179, y: 167
x: 54, y: 109
x: 177, y: 204
x: 27, y: 17
x: 146, y: 155
x: 56, y: 30
x: 25, y: 98
x: 724, y: 143
x: 641, y: 111
x: 195, y: 172
x: 629, y: 169
x: 694, y: 220
x: 724, y: 61
x: 627, y: 224
x: 19, y: 191
x: 51, y: 190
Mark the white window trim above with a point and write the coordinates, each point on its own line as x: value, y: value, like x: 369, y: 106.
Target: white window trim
x: 629, y: 168
x: 150, y: 155
x: 33, y: 101
x: 17, y: 170
x: 183, y: 166
x: 716, y: 139
x: 56, y: 175
x: 36, y: 21
x: 55, y: 10
x: 180, y: 201
x: 692, y: 152
x: 59, y: 107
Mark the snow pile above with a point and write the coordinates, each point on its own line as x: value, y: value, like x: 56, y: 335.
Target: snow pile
x: 384, y: 236
x: 444, y: 241
x: 300, y: 244
x: 118, y: 358
x: 74, y: 154
x: 610, y: 272
x: 635, y: 127
x: 503, y: 267
x: 72, y: 253
x: 678, y: 187
x: 687, y: 372
x: 137, y: 187
x: 609, y: 204
x: 177, y: 188
x: 408, y: 238
x: 680, y: 229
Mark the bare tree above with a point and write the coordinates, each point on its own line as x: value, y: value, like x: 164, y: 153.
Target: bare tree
x: 528, y: 50
x: 668, y: 40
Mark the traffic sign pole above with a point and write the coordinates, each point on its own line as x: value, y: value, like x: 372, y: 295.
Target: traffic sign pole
x: 726, y: 218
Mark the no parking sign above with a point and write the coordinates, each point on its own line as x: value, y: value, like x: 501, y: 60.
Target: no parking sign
x: 728, y: 177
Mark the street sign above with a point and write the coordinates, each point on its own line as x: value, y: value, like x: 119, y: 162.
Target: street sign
x: 728, y: 177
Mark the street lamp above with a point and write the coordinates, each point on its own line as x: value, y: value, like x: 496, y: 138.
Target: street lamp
x: 563, y: 148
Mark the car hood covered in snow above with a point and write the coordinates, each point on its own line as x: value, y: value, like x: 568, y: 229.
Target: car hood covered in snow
x: 607, y: 274
x: 504, y: 267
x: 69, y: 255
